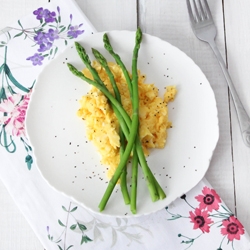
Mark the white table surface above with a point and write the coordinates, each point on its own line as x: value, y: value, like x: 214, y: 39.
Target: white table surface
x: 229, y: 171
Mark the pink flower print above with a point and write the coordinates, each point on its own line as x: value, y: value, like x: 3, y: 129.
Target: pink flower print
x: 232, y: 228
x: 14, y: 108
x: 209, y: 200
x: 200, y: 220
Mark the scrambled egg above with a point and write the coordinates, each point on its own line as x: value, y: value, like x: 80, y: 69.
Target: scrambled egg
x: 103, y: 126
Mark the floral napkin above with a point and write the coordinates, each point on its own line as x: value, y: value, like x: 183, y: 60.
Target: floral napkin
x: 198, y: 219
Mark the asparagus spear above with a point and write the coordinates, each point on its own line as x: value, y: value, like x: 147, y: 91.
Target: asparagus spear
x: 103, y: 62
x: 123, y: 180
x: 133, y: 195
x: 135, y: 104
x: 118, y: 60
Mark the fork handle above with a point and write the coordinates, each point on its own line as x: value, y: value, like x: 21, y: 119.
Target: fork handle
x: 242, y: 115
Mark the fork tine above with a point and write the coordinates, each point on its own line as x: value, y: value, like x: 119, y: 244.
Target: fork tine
x: 190, y: 12
x: 198, y: 18
x: 207, y: 9
x: 202, y: 13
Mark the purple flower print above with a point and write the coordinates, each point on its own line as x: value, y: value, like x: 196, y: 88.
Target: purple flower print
x: 39, y: 13
x: 36, y: 59
x: 48, y: 16
x: 46, y: 36
x: 45, y: 46
x: 74, y: 31
x: 52, y: 35
x: 41, y: 38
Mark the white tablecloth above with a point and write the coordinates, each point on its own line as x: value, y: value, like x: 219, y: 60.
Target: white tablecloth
x: 192, y: 221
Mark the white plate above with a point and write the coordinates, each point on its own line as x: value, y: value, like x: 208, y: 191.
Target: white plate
x: 71, y: 164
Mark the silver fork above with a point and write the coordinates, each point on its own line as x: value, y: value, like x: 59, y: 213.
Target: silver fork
x: 204, y: 28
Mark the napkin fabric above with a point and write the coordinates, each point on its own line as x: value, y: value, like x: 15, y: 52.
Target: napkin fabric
x: 197, y: 220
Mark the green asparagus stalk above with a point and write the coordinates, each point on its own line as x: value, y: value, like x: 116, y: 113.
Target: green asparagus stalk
x: 123, y: 180
x: 118, y: 60
x: 135, y: 105
x: 133, y: 195
x: 103, y: 62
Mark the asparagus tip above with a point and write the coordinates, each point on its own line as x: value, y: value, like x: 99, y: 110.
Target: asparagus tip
x: 78, y: 46
x: 105, y: 38
x: 99, y: 57
x: 106, y: 42
x: 138, y: 35
x: 70, y: 66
